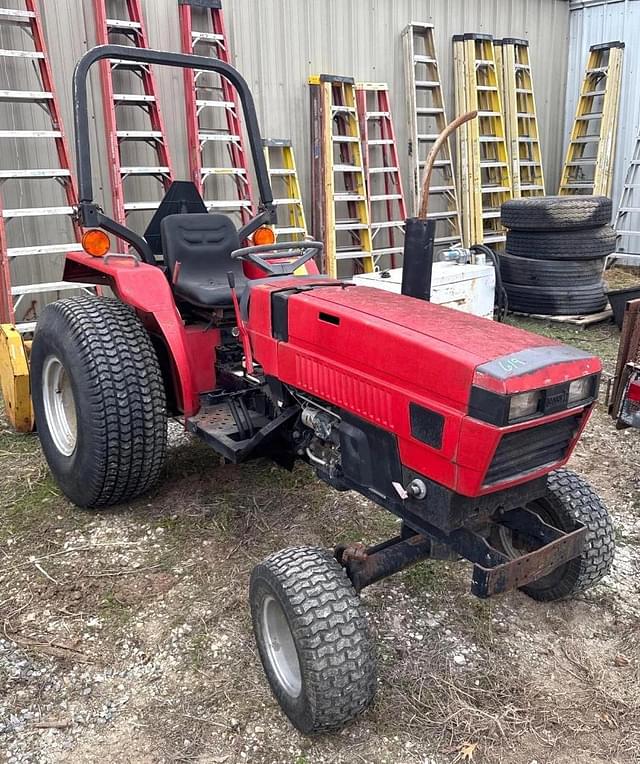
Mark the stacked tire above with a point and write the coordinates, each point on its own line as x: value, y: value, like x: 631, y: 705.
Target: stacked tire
x: 555, y: 254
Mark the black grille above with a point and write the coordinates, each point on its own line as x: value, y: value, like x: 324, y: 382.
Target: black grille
x: 527, y: 450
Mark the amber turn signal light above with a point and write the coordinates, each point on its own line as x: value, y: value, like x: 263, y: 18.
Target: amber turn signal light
x: 264, y: 235
x: 95, y: 242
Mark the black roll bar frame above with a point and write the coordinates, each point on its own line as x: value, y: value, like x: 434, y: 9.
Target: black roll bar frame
x: 90, y: 214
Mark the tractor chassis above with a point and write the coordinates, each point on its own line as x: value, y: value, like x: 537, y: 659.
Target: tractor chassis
x: 493, y: 571
x: 238, y: 421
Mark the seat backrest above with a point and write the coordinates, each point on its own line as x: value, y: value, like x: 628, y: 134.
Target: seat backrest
x: 202, y: 244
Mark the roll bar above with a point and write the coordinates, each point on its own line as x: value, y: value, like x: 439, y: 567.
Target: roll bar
x: 89, y: 213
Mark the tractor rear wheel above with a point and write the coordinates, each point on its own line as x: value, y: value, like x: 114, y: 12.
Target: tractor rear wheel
x: 99, y: 400
x: 313, y: 638
x: 568, y: 499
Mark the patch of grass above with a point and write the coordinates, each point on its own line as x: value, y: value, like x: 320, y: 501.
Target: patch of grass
x: 430, y: 576
x: 601, y: 339
x: 115, y: 611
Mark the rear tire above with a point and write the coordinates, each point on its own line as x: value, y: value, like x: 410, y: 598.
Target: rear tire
x: 569, y: 498
x: 313, y: 638
x: 99, y: 400
x: 556, y: 213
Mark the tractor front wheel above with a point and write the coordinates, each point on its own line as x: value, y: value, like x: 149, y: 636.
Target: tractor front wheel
x: 313, y: 638
x: 99, y: 400
x: 569, y: 500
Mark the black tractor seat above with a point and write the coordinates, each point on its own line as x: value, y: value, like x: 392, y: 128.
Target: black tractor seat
x: 197, y: 251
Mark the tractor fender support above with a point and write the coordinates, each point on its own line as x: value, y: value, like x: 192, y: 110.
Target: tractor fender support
x: 146, y: 289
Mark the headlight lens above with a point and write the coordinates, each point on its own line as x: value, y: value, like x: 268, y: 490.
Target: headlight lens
x: 580, y: 389
x: 524, y: 405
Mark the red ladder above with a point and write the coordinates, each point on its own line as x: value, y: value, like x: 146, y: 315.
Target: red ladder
x: 18, y: 248
x: 387, y: 209
x: 133, y: 104
x: 217, y: 155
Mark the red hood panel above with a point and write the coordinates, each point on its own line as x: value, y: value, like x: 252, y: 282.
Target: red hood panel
x: 483, y: 338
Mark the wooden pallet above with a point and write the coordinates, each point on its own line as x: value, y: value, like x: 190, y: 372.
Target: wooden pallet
x: 582, y: 321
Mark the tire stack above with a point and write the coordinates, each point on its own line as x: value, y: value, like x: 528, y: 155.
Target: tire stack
x: 555, y: 253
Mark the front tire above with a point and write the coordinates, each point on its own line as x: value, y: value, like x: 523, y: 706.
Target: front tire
x: 313, y: 638
x: 568, y: 499
x: 99, y: 400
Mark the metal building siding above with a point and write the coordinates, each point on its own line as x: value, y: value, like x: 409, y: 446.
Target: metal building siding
x: 277, y: 44
x: 592, y: 22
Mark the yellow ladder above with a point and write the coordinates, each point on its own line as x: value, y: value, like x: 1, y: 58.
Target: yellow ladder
x: 340, y: 204
x: 283, y: 174
x: 483, y: 163
x: 589, y: 163
x: 520, y: 116
x: 426, y: 119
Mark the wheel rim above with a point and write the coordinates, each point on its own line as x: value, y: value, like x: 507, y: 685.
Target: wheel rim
x: 59, y: 406
x: 280, y: 647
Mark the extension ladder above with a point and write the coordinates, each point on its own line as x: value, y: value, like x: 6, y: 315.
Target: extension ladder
x: 426, y: 119
x: 217, y: 155
x: 283, y: 175
x: 589, y: 163
x: 387, y: 211
x: 31, y: 196
x: 628, y: 216
x: 139, y: 162
x: 520, y: 117
x: 483, y: 164
x: 341, y: 209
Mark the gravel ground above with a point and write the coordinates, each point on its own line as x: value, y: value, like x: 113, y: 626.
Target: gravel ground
x: 126, y: 634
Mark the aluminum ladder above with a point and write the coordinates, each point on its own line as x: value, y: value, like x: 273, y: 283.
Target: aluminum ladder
x: 217, y: 155
x: 589, y: 163
x: 340, y: 204
x: 520, y: 116
x: 627, y: 223
x: 139, y: 162
x: 283, y: 175
x: 30, y: 195
x: 483, y: 162
x: 387, y: 210
x: 426, y: 118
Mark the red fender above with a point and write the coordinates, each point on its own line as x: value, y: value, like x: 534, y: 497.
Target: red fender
x: 146, y: 289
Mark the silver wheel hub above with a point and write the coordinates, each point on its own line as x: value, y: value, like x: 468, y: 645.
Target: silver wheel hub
x: 59, y: 405
x: 280, y: 647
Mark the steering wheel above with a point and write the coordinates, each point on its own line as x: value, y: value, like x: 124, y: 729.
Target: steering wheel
x: 260, y: 255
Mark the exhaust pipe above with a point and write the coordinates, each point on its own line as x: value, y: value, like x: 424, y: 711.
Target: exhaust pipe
x: 420, y: 233
x: 419, y: 236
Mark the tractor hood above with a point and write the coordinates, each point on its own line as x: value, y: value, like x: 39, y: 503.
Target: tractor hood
x: 429, y: 347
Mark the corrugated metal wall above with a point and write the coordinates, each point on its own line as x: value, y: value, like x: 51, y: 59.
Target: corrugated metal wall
x: 592, y: 22
x: 277, y: 44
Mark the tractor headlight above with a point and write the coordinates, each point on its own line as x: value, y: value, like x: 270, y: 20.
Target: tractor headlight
x: 580, y: 389
x: 524, y: 405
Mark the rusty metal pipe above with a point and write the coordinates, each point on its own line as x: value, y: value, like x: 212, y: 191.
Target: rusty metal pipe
x: 428, y: 167
x: 386, y: 559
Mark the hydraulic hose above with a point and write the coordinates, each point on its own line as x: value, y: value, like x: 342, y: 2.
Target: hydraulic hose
x: 501, y: 292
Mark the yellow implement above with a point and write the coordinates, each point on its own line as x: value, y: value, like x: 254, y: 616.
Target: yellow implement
x: 283, y: 174
x: 588, y: 167
x: 483, y: 163
x: 14, y: 378
x: 340, y: 202
x: 520, y: 116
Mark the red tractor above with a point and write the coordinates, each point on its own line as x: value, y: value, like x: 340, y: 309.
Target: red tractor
x: 458, y: 425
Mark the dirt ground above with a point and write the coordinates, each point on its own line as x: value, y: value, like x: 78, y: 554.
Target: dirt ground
x: 125, y: 634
